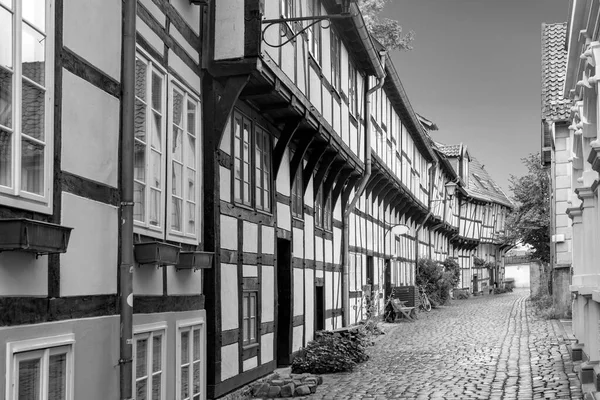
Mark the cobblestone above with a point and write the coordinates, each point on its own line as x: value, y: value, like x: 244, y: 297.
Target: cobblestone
x: 489, y: 347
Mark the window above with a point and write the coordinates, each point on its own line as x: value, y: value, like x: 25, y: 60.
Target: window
x: 191, y: 373
x: 148, y: 362
x: 288, y: 8
x: 297, y: 198
x: 166, y: 147
x: 249, y: 325
x: 41, y: 369
x: 314, y: 32
x: 352, y: 90
x: 323, y: 211
x: 335, y: 61
x: 26, y: 104
x: 245, y: 135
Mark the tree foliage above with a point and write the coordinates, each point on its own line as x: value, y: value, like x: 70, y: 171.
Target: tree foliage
x: 529, y: 222
x: 387, y: 31
x: 438, y: 278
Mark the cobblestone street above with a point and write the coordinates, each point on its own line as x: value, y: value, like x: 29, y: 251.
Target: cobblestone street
x: 488, y: 347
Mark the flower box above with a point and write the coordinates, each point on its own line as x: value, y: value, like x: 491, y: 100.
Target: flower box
x: 21, y: 234
x: 157, y: 253
x: 195, y: 260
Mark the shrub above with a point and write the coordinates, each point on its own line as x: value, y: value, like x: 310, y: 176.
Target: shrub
x: 544, y: 307
x: 332, y: 352
x: 438, y: 278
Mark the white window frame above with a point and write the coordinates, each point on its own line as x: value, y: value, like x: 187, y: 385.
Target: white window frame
x: 148, y: 331
x: 144, y: 226
x: 14, y: 196
x: 44, y: 345
x: 185, y: 237
x: 185, y: 325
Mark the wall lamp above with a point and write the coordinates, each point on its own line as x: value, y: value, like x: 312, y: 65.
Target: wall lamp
x: 345, y: 4
x: 450, y: 191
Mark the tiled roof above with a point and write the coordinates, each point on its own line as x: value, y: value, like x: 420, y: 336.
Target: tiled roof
x: 554, y: 66
x: 481, y: 184
x: 450, y: 150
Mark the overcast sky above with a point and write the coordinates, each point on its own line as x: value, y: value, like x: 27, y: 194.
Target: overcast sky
x: 475, y: 72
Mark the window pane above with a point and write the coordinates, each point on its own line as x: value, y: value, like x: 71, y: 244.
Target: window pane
x: 252, y: 329
x: 156, y: 387
x: 5, y: 97
x: 191, y: 122
x: 196, y: 344
x: 191, y: 151
x: 177, y: 150
x: 140, y: 120
x: 139, y: 161
x: 140, y: 78
x: 141, y: 361
x: 29, y: 380
x: 35, y: 11
x: 253, y: 305
x: 177, y: 108
x: 156, y: 353
x: 191, y: 228
x: 191, y: 175
x: 141, y: 388
x: 156, y: 164
x: 196, y: 378
x: 33, y: 54
x: 185, y: 391
x: 156, y: 92
x: 156, y: 130
x: 185, y: 343
x: 139, y: 200
x: 57, y: 377
x: 155, y: 207
x: 177, y: 179
x: 32, y: 117
x: 5, y: 158
x: 6, y: 44
x: 32, y: 167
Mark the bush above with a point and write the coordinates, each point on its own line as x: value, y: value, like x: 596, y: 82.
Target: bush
x: 438, y: 278
x: 543, y: 306
x: 332, y: 352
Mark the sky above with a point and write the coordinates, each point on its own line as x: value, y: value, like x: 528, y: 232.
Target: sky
x: 475, y: 71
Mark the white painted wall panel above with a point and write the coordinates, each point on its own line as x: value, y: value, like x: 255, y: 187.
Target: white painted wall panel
x: 298, y: 243
x: 155, y: 11
x: 229, y: 294
x: 147, y: 280
x: 250, y: 271
x: 225, y: 184
x: 298, y: 291
x: 85, y: 33
x: 268, y: 240
x: 266, y: 348
x: 90, y: 265
x: 314, y: 89
x: 309, y: 237
x: 288, y: 60
x: 319, y: 256
x: 336, y: 118
x: 283, y: 176
x: 190, y: 13
x: 225, y: 144
x: 250, y: 363
x: 90, y: 131
x: 327, y: 107
x: 250, y: 237
x: 337, y: 246
x: 309, y: 293
x: 328, y: 251
x: 229, y: 361
x: 187, y: 74
x: 189, y: 49
x: 229, y: 235
x: 148, y: 34
x: 267, y: 287
x: 229, y: 30
x: 328, y: 292
x: 298, y: 335
x: 21, y: 274
x: 284, y: 216
x: 183, y: 281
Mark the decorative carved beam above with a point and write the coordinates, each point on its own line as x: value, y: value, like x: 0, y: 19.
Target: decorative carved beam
x: 339, y: 186
x: 291, y: 126
x: 334, y: 171
x: 306, y: 138
x: 373, y: 180
x: 326, y: 162
x: 319, y: 149
x: 352, y: 182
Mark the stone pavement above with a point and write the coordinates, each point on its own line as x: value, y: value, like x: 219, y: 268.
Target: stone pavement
x: 486, y: 347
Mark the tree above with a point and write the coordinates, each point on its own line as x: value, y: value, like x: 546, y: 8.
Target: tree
x: 387, y: 31
x: 529, y: 222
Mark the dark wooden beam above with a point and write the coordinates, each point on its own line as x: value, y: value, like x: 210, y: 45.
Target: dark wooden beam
x: 324, y: 165
x: 386, y: 195
x: 380, y: 187
x: 314, y: 158
x: 345, y: 176
x: 305, y: 139
x: 275, y: 106
x: 373, y: 180
x: 291, y: 126
x: 256, y: 91
x: 334, y: 171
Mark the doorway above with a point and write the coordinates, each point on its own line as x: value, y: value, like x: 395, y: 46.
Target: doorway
x: 284, y: 302
x: 319, y: 307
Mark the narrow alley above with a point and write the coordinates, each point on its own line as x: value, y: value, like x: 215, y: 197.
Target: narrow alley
x: 488, y: 347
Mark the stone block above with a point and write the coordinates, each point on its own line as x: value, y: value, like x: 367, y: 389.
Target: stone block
x: 577, y: 352
x: 586, y: 374
x: 277, y: 382
x: 287, y: 390
x: 302, y: 390
x: 260, y: 389
x: 274, y: 391
x: 313, y: 387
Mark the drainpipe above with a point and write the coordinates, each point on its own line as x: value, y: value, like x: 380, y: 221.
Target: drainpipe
x: 429, y: 212
x: 361, y: 187
x: 127, y: 154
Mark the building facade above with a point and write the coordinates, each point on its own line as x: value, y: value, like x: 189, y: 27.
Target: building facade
x: 268, y: 167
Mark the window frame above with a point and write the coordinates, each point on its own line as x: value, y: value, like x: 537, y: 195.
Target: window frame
x: 148, y: 332
x: 171, y: 234
x: 315, y: 47
x: 43, y: 346
x: 251, y: 341
x: 336, y: 61
x: 15, y: 196
x: 352, y: 90
x: 190, y: 325
x: 297, y: 206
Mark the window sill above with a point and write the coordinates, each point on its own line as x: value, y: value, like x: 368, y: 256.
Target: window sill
x: 26, y: 204
x: 250, y: 351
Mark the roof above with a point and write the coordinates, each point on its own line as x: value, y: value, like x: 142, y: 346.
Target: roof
x: 451, y: 150
x: 554, y: 67
x: 482, y: 186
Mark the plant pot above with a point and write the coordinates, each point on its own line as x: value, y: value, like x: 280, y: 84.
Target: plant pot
x: 195, y: 260
x: 33, y: 236
x: 157, y: 253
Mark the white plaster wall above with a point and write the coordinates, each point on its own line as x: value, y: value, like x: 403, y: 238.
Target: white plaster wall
x: 309, y: 237
x: 152, y: 38
x: 298, y: 243
x: 284, y: 217
x: 267, y: 287
x: 309, y: 292
x: 268, y: 240
x: 283, y: 176
x: 90, y: 131
x: 266, y: 348
x: 225, y: 144
x: 318, y: 248
x: 337, y: 298
x: 183, y: 281
x: 225, y: 184
x: 250, y: 363
x: 186, y: 73
x: 147, y: 280
x: 298, y: 335
x: 229, y: 296
x: 328, y: 293
x: 337, y: 245
x: 21, y: 274
x: 298, y: 291
x: 520, y: 273
x: 250, y: 237
x: 229, y: 29
x: 155, y: 11
x: 328, y: 250
x: 250, y: 271
x: 229, y: 361
x: 85, y: 32
x: 229, y: 235
x: 189, y: 49
x: 189, y: 12
x: 315, y: 89
x: 90, y: 264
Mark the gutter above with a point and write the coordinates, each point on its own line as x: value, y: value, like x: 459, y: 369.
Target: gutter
x: 361, y: 187
x: 127, y: 156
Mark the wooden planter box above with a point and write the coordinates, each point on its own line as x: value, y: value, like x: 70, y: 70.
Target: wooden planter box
x: 157, y: 253
x: 195, y: 260
x: 28, y: 235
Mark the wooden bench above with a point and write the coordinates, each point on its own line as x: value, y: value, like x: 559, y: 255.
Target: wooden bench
x: 401, y: 311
